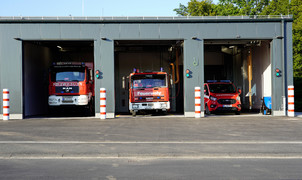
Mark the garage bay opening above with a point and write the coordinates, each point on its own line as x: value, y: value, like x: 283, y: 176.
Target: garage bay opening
x: 58, y: 78
x: 245, y: 63
x: 149, y: 76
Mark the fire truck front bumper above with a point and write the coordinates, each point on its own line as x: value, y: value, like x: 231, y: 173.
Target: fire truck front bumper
x: 68, y: 100
x: 149, y: 106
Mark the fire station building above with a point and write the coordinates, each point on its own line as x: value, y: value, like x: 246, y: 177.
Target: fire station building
x: 247, y: 50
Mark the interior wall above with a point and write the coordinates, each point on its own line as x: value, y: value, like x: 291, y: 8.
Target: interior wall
x: 262, y: 70
x: 261, y: 73
x: 238, y: 72
x: 214, y: 65
x: 213, y: 58
x: 74, y: 56
x: 36, y: 60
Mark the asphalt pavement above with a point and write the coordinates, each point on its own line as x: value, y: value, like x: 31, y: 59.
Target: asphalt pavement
x: 249, y: 146
x: 148, y: 137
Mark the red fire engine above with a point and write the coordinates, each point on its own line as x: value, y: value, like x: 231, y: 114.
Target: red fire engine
x: 148, y: 91
x: 221, y: 96
x: 71, y: 84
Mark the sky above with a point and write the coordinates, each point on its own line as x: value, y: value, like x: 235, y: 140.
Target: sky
x: 90, y: 7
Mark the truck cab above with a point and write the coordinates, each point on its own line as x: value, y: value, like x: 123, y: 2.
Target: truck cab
x: 148, y: 91
x: 70, y: 84
x: 221, y: 96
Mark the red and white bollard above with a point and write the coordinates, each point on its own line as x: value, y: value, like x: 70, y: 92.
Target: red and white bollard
x: 291, y: 101
x: 197, y: 102
x: 5, y: 104
x: 102, y: 103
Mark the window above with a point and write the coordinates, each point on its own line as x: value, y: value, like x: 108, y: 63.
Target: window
x: 148, y: 81
x: 222, y: 88
x: 68, y: 74
x: 206, y: 92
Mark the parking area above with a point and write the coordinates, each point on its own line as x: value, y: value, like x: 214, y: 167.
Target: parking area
x: 154, y: 128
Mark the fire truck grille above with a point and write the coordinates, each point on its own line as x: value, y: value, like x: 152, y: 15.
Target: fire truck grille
x: 226, y: 101
x: 69, y: 89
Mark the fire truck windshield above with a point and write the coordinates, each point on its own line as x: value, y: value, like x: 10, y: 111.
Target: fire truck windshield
x: 67, y: 74
x: 148, y: 81
x: 222, y: 88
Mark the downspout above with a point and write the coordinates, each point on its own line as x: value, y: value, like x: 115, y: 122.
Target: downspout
x: 250, y: 76
x: 177, y: 68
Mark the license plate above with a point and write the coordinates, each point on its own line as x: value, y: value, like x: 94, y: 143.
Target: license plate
x: 226, y: 105
x: 67, y: 98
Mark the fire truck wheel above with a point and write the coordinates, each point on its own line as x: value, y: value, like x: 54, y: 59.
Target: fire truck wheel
x: 208, y: 112
x: 51, y: 111
x: 237, y: 112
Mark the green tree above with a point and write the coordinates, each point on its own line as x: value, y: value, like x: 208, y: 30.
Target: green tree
x: 227, y: 9
x: 182, y: 10
x: 296, y: 10
x: 276, y: 7
x: 197, y: 8
x: 223, y: 8
x: 201, y: 8
x: 247, y: 7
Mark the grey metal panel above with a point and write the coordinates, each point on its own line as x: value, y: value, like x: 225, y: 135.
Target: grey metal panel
x: 90, y: 31
x: 129, y: 31
x: 110, y: 31
x: 189, y: 30
x: 106, y: 65
x: 289, y: 53
x: 193, y: 56
x: 50, y: 31
x: 97, y: 66
x: 11, y: 65
x: 209, y: 30
x: 277, y: 82
x: 169, y: 31
x: 247, y: 30
x: 201, y: 73
x: 149, y: 31
x: 30, y: 31
x: 265, y: 30
x: 226, y: 30
x: 154, y: 19
x: 70, y: 31
x: 1, y: 62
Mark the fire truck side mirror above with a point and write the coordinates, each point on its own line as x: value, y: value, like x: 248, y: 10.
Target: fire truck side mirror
x: 90, y: 74
x: 239, y: 91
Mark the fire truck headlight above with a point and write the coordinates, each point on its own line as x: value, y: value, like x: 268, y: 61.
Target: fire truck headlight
x: 83, y: 99
x: 163, y: 105
x: 213, y: 98
x: 135, y: 106
x: 53, y: 100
